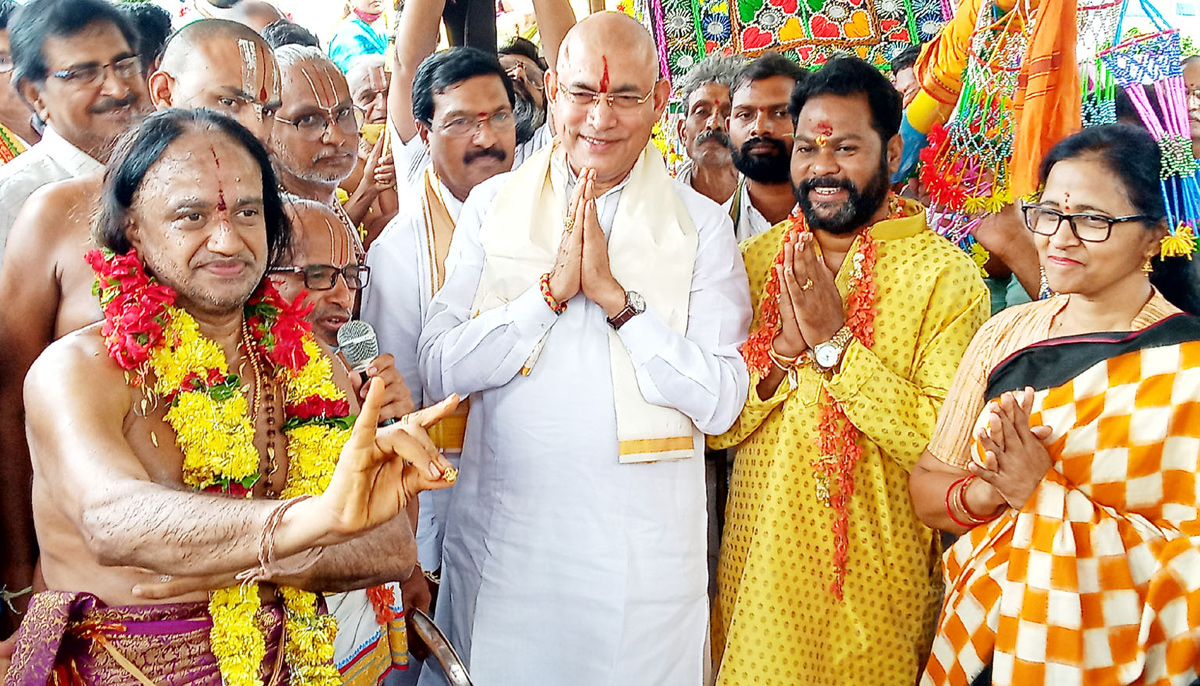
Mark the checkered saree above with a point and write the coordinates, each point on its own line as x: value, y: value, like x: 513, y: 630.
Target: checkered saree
x: 1096, y: 581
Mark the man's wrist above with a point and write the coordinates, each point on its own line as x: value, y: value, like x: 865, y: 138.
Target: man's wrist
x: 305, y: 525
x: 612, y: 300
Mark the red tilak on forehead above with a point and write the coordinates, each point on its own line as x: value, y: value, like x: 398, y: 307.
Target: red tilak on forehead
x: 221, y: 207
x: 604, y: 77
x: 1067, y: 202
x: 824, y: 128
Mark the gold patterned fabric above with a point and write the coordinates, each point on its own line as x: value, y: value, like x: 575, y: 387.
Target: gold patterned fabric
x: 75, y: 639
x: 775, y: 621
x: 1001, y: 336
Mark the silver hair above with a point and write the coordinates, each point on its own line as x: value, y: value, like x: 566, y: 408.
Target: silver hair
x: 715, y: 68
x: 287, y: 55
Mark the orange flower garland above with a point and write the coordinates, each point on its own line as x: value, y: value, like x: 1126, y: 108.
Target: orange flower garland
x: 838, y: 441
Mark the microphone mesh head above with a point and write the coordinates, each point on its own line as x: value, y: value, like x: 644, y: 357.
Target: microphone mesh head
x: 358, y: 343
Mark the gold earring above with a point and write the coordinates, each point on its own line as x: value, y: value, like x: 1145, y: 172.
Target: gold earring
x: 1148, y: 267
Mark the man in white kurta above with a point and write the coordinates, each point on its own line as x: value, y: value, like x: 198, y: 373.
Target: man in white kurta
x: 407, y: 260
x: 566, y: 561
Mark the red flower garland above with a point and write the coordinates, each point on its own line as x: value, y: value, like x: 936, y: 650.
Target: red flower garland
x: 837, y: 442
x: 135, y: 311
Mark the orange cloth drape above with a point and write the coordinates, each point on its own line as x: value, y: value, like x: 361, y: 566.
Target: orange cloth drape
x: 1047, y: 107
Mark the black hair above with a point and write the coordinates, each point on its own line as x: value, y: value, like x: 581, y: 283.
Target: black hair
x: 144, y: 144
x: 906, y: 58
x: 1131, y: 154
x: 284, y: 32
x: 39, y: 20
x: 7, y: 7
x: 767, y: 65
x: 443, y: 69
x: 844, y: 76
x: 524, y: 48
x: 153, y: 25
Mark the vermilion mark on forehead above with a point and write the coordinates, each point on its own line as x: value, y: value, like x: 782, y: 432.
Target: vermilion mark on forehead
x: 604, y: 77
x: 1067, y: 202
x: 221, y: 206
x: 824, y: 128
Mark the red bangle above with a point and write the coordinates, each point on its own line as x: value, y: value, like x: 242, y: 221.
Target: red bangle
x: 950, y: 509
x: 962, y: 498
x: 554, y: 305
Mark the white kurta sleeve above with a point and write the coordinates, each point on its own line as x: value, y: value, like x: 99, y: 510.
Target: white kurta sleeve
x: 702, y: 373
x: 464, y: 354
x: 391, y: 302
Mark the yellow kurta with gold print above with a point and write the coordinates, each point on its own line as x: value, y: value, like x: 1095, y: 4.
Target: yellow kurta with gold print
x: 775, y: 620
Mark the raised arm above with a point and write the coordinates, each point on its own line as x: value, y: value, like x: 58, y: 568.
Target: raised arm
x: 78, y: 405
x: 554, y: 19
x: 416, y: 38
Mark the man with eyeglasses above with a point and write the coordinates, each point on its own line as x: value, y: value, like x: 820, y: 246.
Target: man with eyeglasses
x: 314, y: 144
x: 371, y: 187
x: 593, y: 308
x: 210, y: 63
x: 324, y: 270
x: 16, y: 119
x: 416, y: 40
x: 74, y: 62
x: 463, y: 105
x: 760, y: 132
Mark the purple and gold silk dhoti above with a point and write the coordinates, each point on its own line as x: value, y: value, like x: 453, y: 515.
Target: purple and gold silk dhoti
x: 74, y: 639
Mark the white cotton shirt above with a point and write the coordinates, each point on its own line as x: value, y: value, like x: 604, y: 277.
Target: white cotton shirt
x: 51, y: 159
x: 751, y: 222
x: 560, y: 564
x: 684, y: 176
x: 395, y: 302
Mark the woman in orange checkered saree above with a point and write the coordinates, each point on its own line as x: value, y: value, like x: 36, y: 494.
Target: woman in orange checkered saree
x: 1071, y: 467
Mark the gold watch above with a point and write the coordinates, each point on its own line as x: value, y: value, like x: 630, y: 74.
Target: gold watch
x: 828, y: 355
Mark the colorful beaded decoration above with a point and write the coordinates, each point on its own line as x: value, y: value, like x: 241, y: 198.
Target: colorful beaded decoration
x: 1155, y: 60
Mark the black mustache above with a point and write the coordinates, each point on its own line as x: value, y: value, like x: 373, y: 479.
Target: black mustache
x: 109, y: 104
x: 719, y: 136
x: 827, y: 182
x: 493, y: 152
x: 779, y: 146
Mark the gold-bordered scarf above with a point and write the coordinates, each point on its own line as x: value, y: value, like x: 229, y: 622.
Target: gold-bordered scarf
x: 449, y: 433
x: 652, y: 250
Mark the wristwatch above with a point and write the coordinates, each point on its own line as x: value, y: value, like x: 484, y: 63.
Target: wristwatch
x: 634, y: 305
x: 828, y: 355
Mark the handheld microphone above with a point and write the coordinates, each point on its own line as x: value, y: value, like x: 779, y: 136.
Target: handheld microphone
x: 359, y: 345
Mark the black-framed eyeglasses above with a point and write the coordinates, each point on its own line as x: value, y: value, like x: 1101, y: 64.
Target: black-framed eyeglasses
x: 347, y: 119
x: 92, y: 74
x: 323, y: 277
x: 617, y: 101
x: 1090, y: 228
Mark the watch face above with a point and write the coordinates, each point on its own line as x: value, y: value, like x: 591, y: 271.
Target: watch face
x: 636, y: 301
x: 826, y: 355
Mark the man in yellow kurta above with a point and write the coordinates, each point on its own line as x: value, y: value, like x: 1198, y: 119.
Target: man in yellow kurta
x: 826, y: 576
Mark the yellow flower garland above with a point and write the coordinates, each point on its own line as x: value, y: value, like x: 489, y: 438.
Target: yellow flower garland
x: 216, y: 435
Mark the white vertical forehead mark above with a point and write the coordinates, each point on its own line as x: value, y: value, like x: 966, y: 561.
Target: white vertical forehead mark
x: 312, y: 85
x: 332, y: 90
x: 249, y: 67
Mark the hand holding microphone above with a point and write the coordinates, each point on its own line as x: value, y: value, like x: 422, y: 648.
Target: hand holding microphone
x: 360, y: 347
